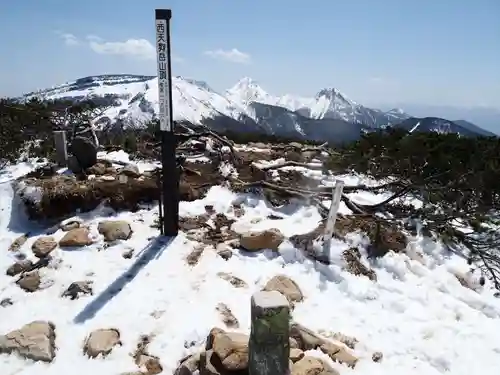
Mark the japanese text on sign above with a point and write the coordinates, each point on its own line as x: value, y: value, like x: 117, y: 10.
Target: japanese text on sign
x: 163, y: 83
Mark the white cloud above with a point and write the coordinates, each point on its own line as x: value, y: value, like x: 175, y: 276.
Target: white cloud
x: 138, y: 48
x: 233, y: 55
x: 69, y: 39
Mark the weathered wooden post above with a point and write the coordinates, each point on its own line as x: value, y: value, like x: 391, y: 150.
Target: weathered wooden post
x: 269, y: 345
x: 61, y: 148
x: 332, y: 217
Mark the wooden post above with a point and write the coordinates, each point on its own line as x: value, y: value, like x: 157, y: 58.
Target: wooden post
x: 61, y: 148
x: 269, y: 345
x: 332, y: 217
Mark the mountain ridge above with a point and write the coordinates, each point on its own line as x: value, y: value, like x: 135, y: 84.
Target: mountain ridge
x: 330, y: 115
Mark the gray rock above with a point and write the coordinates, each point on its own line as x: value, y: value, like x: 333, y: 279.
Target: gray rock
x: 19, y: 267
x: 30, y: 281
x: 35, y: 341
x: 130, y: 170
x: 85, y: 152
x: 78, y: 288
x: 43, y: 246
x: 101, y: 342
x: 113, y: 230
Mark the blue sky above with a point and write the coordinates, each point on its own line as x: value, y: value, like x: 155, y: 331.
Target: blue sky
x: 378, y: 52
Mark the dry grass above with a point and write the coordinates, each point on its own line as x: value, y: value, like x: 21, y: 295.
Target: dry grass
x: 63, y: 195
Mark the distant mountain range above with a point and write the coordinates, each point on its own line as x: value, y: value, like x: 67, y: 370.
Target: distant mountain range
x: 246, y: 107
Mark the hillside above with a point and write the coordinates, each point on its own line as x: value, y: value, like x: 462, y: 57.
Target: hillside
x: 103, y: 283
x: 474, y: 128
x: 437, y: 125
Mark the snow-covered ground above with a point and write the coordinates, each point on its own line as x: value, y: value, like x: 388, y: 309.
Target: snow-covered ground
x: 417, y: 313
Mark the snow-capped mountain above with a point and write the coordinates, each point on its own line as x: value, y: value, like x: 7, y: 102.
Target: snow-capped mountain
x: 246, y: 107
x: 327, y: 103
x: 135, y: 98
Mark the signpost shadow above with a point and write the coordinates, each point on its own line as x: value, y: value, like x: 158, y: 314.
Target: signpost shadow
x: 153, y: 250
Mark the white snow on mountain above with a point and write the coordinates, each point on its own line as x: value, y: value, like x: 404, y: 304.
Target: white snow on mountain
x: 247, y: 91
x: 135, y: 98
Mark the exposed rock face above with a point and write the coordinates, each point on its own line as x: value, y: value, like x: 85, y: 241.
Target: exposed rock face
x: 35, y: 341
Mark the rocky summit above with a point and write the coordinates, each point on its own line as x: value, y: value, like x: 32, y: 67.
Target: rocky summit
x: 89, y: 287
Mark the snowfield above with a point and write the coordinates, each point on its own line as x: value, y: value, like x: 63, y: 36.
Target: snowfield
x: 417, y: 314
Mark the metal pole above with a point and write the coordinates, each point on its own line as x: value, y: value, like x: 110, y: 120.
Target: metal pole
x: 170, y: 173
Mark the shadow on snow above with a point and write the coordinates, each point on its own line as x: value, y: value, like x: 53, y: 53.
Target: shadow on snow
x: 152, y: 251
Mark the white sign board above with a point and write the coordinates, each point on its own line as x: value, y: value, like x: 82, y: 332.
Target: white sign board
x: 162, y: 60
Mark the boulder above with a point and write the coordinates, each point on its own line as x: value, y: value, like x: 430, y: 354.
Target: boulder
x: 285, y: 286
x: 66, y: 226
x: 339, y: 354
x: 101, y: 342
x: 78, y: 288
x: 113, y: 230
x: 312, y: 366
x: 267, y: 239
x: 85, y: 153
x: 231, y: 349
x: 305, y: 338
x: 43, y: 246
x: 130, y: 170
x: 30, y: 281
x: 35, y: 341
x: 189, y: 365
x: 19, y: 267
x: 77, y: 237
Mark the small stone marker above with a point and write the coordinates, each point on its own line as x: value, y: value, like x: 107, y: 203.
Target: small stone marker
x: 61, y: 147
x: 269, y: 346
